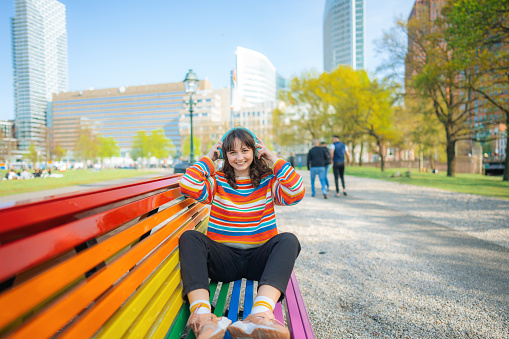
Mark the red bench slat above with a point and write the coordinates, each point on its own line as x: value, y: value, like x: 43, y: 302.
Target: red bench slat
x: 25, y: 219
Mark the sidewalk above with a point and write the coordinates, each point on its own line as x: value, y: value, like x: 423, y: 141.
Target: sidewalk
x: 399, y: 261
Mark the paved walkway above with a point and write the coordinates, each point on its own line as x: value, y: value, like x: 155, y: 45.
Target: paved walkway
x: 400, y: 261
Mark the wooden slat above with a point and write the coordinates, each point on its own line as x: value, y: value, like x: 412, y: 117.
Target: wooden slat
x: 302, y: 308
x: 144, y: 322
x: 35, y: 249
x: 179, y: 324
x: 293, y: 314
x: 221, y: 300
x: 130, y: 311
x: 248, y: 299
x: 233, y: 311
x: 278, y: 313
x: 16, y: 302
x: 52, y: 319
x: 167, y: 315
x: 103, y: 309
x: 22, y: 220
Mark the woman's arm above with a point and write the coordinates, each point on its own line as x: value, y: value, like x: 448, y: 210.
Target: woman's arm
x: 199, y: 182
x: 287, y: 188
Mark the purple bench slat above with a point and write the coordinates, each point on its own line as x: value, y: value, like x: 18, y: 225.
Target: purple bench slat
x: 302, y: 308
x: 293, y: 314
x: 278, y: 313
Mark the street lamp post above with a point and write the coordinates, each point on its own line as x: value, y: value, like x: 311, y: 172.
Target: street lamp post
x: 191, y: 85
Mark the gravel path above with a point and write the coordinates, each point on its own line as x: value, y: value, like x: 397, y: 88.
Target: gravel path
x: 400, y: 261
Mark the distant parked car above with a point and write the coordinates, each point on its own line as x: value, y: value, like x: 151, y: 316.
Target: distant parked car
x: 181, y: 167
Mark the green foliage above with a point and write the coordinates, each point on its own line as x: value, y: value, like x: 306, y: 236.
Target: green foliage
x: 87, y: 144
x: 304, y: 116
x: 343, y: 102
x: 59, y: 152
x: 108, y: 148
x: 433, y: 74
x: 32, y: 153
x: 479, y: 32
x: 154, y: 145
x: 161, y: 147
x: 141, y: 145
x: 186, y: 147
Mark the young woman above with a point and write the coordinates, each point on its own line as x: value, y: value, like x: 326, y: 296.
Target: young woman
x: 242, y: 240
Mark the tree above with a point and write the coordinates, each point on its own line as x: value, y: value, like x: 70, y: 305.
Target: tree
x: 309, y: 112
x: 33, y: 153
x: 359, y: 106
x: 432, y: 73
x: 108, y: 148
x: 87, y: 144
x: 479, y: 30
x: 141, y: 145
x: 186, y: 146
x: 161, y: 146
x: 334, y: 89
x: 59, y: 152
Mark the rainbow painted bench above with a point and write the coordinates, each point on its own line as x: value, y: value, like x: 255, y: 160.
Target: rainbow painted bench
x: 104, y: 264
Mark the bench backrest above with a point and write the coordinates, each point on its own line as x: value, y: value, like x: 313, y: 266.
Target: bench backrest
x: 68, y: 263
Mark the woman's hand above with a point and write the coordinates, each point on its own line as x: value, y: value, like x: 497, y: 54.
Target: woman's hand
x: 213, y: 154
x: 264, y: 152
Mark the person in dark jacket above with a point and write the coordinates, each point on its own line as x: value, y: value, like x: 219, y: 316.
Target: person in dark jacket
x: 338, y: 151
x: 317, y: 160
x: 328, y: 164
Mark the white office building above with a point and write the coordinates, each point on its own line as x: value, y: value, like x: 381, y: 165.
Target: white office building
x: 343, y: 34
x: 39, y: 48
x: 256, y: 78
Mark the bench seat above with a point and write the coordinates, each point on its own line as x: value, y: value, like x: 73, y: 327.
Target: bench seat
x: 104, y: 263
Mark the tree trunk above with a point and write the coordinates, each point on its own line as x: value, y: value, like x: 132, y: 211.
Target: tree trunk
x: 381, y: 153
x: 421, y: 165
x: 506, y: 170
x: 360, y: 154
x: 451, y: 158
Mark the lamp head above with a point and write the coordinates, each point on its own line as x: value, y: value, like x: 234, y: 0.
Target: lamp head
x: 191, y: 82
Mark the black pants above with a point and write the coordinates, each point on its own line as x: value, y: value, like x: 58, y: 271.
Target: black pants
x: 202, y: 258
x: 339, y: 171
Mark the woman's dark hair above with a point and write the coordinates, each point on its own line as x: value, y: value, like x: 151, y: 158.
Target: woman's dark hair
x: 258, y: 167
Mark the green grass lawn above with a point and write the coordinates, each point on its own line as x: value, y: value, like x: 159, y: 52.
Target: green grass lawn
x: 490, y: 186
x: 70, y: 178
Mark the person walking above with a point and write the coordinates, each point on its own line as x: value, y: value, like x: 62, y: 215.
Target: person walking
x: 328, y: 165
x: 242, y: 239
x: 338, y: 150
x: 317, y: 159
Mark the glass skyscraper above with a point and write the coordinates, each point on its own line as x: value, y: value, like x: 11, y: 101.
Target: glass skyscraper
x: 343, y: 34
x: 256, y: 78
x: 39, y: 48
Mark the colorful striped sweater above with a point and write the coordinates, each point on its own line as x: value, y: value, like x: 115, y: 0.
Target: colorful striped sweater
x: 242, y: 217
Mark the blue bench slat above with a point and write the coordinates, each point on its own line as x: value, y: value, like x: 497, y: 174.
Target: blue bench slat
x: 248, y: 300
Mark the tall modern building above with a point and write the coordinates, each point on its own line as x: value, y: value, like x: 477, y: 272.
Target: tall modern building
x: 343, y: 34
x: 256, y: 78
x: 39, y: 54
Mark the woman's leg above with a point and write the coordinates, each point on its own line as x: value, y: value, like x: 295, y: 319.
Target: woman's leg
x: 202, y: 258
x: 272, y: 263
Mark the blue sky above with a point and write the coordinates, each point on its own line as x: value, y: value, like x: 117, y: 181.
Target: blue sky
x: 117, y: 43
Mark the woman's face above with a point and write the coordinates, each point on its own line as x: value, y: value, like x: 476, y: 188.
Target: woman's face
x: 240, y: 158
